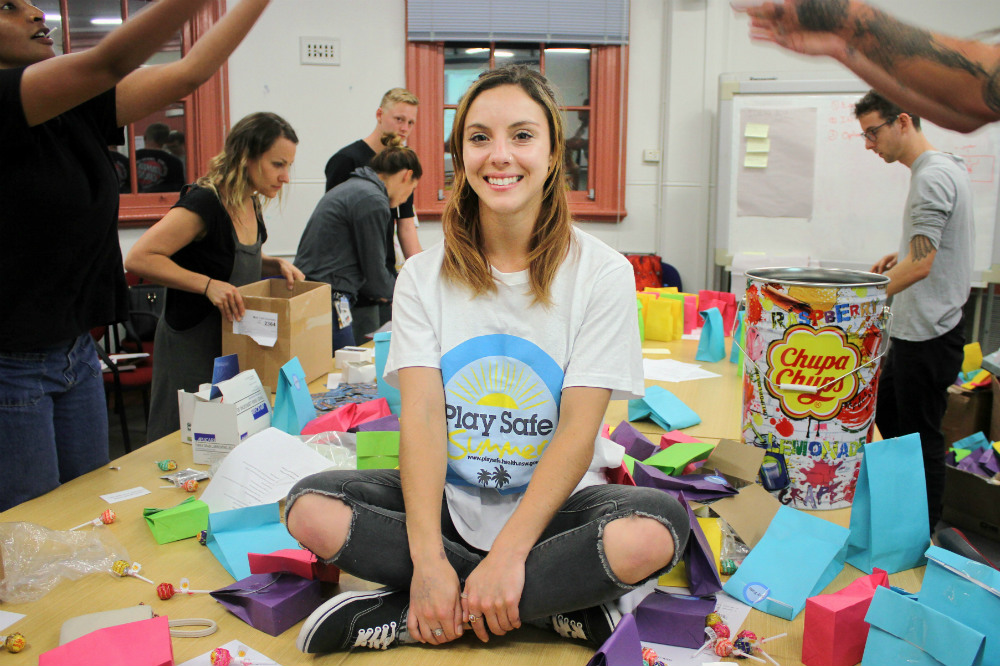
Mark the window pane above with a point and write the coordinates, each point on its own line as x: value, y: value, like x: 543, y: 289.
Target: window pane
x: 462, y: 64
x: 54, y: 22
x: 577, y: 124
x: 170, y: 51
x: 568, y: 69
x: 89, y: 22
x: 518, y: 55
x: 157, y: 167
x: 449, y: 168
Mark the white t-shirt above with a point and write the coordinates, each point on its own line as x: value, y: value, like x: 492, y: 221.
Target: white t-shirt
x: 504, y: 361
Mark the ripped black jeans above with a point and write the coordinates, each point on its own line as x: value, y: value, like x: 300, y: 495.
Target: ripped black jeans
x: 565, y: 571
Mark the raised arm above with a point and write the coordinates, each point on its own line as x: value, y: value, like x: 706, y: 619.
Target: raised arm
x: 150, y: 88
x: 495, y: 587
x: 952, y: 82
x: 434, y: 591
x: 58, y: 84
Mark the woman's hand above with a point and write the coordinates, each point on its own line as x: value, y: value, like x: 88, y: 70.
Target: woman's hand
x: 227, y: 298
x: 435, y: 615
x: 492, y: 595
x: 290, y: 273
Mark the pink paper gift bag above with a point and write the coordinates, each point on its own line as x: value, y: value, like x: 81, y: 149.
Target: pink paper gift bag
x: 835, y: 630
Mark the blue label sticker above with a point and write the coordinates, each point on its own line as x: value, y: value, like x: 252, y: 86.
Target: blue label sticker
x: 259, y: 411
x: 204, y: 437
x: 295, y: 381
x: 716, y: 479
x: 755, y: 592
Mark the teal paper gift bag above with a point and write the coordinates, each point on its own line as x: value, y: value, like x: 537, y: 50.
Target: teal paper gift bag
x: 889, y: 528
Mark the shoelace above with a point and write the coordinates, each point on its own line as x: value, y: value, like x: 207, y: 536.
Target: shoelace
x: 379, y: 638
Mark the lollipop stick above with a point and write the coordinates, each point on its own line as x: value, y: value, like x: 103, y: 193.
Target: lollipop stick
x: 95, y: 521
x: 769, y: 657
x: 771, y: 638
x: 738, y: 653
x: 140, y: 577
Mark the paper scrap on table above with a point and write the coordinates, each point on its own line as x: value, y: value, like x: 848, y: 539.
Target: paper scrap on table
x: 668, y: 370
x: 261, y: 470
x: 755, y: 160
x: 693, y: 335
x: 758, y: 145
x: 238, y: 650
x: 123, y: 495
x: 7, y: 619
x: 262, y: 327
x: 649, y: 350
x: 333, y: 380
x: 756, y: 130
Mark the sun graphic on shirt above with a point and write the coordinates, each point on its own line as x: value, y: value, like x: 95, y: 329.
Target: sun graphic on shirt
x: 499, y: 384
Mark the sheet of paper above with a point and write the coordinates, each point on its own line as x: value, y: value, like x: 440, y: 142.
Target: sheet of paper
x: 238, y: 650
x: 7, y: 619
x: 756, y: 130
x: 261, y: 470
x: 333, y: 380
x: 123, y: 495
x: 669, y: 370
x: 648, y: 350
x: 755, y: 161
x: 262, y: 327
x: 758, y: 145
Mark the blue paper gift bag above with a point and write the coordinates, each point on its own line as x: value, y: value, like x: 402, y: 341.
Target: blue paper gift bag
x: 885, y: 532
x: 712, y: 344
x: 391, y: 394
x: 293, y: 405
x: 797, y: 557
x: 904, y: 631
x: 966, y: 591
x: 663, y: 408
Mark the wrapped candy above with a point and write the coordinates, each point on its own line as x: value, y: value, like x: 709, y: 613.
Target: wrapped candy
x: 164, y: 591
x: 721, y: 630
x: 123, y: 569
x: 203, y: 537
x: 14, y: 642
x: 105, y: 518
x: 167, y: 465
x: 221, y: 657
x: 749, y: 635
x: 190, y: 485
x: 713, y: 619
x: 723, y: 647
x: 650, y: 658
x: 743, y: 645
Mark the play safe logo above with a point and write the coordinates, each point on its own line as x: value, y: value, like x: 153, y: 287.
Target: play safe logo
x: 502, y: 405
x: 815, y: 358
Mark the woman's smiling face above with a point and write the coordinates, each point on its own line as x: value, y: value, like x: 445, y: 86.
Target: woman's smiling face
x: 506, y: 152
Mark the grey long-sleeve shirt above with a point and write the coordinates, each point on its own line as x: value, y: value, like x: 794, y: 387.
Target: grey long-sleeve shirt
x: 344, y: 241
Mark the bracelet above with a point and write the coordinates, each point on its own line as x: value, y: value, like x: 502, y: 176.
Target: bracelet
x: 210, y: 627
x: 205, y: 293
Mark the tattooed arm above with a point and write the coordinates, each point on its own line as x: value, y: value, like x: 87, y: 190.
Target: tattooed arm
x: 952, y: 82
x: 914, y: 267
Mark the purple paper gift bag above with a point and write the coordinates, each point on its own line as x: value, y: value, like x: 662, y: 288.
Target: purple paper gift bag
x: 673, y: 619
x: 636, y: 444
x: 271, y: 602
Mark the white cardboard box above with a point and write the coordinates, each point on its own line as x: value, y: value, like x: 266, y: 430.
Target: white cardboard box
x: 215, y: 427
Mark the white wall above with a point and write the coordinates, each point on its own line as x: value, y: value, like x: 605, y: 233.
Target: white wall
x: 677, y: 50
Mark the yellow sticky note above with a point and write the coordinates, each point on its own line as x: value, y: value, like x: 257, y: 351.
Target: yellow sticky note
x: 973, y: 357
x: 755, y: 160
x: 758, y: 145
x: 757, y: 130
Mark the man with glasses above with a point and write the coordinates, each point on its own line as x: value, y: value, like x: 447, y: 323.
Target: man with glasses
x: 930, y: 281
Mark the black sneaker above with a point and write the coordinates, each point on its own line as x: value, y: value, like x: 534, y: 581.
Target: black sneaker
x: 594, y: 624
x: 372, y: 619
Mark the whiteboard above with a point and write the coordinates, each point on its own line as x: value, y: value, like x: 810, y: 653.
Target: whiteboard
x: 856, y: 207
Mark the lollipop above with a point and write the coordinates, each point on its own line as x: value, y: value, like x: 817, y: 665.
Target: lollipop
x: 221, y: 657
x: 167, y: 465
x: 713, y: 619
x: 14, y: 642
x: 123, y: 569
x: 650, y: 658
x: 721, y: 630
x: 190, y: 485
x: 166, y: 590
x: 105, y: 518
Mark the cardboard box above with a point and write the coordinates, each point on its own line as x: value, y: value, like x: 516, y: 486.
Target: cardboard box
x: 971, y: 503
x: 214, y: 427
x: 304, y: 329
x: 968, y: 412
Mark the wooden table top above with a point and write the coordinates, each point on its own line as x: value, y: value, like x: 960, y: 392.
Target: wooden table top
x: 716, y: 400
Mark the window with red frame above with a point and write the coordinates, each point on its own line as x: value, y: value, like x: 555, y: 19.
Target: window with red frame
x: 169, y: 147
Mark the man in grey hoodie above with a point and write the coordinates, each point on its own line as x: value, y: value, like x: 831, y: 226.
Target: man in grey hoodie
x: 930, y: 281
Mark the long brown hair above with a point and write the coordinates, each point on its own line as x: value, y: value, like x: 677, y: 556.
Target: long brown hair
x: 465, y: 261
x: 250, y: 138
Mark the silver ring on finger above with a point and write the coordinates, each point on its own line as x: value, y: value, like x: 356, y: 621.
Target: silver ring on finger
x: 438, y: 632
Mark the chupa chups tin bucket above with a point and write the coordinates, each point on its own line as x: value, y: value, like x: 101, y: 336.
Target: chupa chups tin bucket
x: 813, y: 343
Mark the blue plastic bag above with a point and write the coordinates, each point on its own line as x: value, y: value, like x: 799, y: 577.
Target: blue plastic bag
x: 885, y: 532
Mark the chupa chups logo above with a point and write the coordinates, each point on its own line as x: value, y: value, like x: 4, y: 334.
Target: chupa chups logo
x: 813, y: 357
